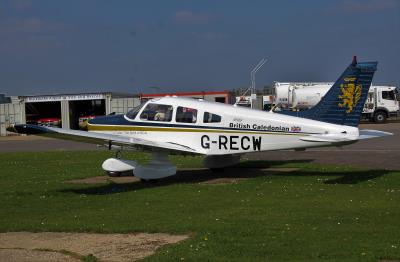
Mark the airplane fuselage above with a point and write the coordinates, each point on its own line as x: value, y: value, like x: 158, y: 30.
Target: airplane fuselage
x: 233, y: 130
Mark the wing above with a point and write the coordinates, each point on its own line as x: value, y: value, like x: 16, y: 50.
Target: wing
x: 98, y: 138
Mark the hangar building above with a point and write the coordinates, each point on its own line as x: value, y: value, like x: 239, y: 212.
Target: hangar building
x: 10, y: 112
x: 65, y: 110
x: 68, y: 110
x: 219, y: 96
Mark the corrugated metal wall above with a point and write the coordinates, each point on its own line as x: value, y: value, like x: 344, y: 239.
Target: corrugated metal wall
x: 11, y: 113
x: 123, y: 105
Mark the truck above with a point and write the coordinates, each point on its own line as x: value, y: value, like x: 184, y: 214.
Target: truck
x: 244, y: 101
x: 382, y: 101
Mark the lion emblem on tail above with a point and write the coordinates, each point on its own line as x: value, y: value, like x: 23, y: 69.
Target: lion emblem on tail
x: 351, y: 94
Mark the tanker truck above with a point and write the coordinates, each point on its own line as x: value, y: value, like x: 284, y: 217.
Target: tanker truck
x: 382, y: 101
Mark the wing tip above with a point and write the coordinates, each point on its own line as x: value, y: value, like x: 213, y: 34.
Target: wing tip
x: 28, y: 129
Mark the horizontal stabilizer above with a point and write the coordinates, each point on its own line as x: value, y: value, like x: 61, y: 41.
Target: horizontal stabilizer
x: 367, y: 133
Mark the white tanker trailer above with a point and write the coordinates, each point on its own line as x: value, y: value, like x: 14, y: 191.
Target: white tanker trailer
x: 382, y: 101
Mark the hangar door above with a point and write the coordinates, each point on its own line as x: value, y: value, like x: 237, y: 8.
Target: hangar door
x: 220, y: 99
x: 81, y: 110
x: 43, y: 113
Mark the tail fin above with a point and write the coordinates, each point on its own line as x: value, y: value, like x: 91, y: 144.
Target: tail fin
x: 344, y: 102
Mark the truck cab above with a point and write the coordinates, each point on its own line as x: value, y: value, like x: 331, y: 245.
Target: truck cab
x: 382, y: 102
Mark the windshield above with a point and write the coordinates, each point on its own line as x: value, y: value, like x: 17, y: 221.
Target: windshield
x: 133, y: 113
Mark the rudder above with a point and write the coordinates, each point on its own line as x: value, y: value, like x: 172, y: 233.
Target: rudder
x: 344, y: 102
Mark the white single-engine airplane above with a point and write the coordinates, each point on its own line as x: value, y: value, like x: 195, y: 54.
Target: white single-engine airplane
x: 220, y: 132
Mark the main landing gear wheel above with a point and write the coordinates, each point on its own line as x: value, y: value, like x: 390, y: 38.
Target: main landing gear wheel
x: 113, y: 173
x: 115, y: 167
x: 118, y: 155
x: 158, y: 167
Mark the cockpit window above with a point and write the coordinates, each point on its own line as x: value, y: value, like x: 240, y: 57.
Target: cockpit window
x: 211, y: 118
x: 186, y: 115
x: 133, y: 113
x: 157, y: 112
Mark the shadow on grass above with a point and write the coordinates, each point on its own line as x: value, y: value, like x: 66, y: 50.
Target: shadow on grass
x: 350, y: 177
x: 245, y: 170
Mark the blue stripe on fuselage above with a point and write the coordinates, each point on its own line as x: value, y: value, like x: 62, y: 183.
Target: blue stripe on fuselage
x: 119, y: 120
x: 110, y: 120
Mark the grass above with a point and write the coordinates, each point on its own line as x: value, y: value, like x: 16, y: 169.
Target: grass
x: 318, y: 213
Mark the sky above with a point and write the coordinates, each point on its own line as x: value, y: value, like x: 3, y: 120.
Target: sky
x: 49, y: 47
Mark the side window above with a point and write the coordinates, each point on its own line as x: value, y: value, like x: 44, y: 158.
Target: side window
x: 389, y: 95
x: 157, y: 112
x: 186, y: 115
x: 211, y: 118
